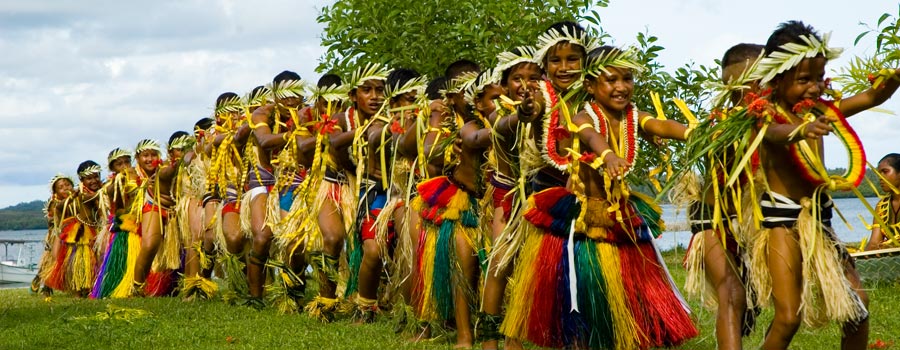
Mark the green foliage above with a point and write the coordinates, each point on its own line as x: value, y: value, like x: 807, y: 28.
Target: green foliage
x: 427, y: 35
x: 23, y: 216
x: 686, y: 84
x: 857, y: 76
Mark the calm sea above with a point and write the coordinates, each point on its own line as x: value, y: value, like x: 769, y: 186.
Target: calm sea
x: 852, y: 208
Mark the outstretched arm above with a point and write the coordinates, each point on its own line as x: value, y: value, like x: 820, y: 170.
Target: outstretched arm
x: 871, y: 97
x: 790, y: 133
x: 667, y: 129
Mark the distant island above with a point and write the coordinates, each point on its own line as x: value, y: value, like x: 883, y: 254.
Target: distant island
x: 23, y: 216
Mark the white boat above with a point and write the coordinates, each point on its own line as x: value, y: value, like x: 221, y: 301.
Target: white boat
x: 22, y: 269
x: 12, y: 273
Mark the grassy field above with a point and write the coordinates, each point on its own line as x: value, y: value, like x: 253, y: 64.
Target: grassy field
x: 30, y: 322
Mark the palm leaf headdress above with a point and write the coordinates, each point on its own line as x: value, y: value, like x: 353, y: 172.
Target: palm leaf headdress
x: 475, y: 86
x: 722, y: 91
x: 460, y: 83
x: 229, y: 105
x: 55, y: 179
x: 552, y: 37
x: 93, y: 169
x: 256, y: 97
x: 288, y: 88
x: 183, y: 142
x: 372, y: 71
x: 791, y: 54
x: 615, y: 58
x: 116, y: 154
x: 509, y: 59
x: 417, y: 84
x: 331, y: 93
x: 147, y: 144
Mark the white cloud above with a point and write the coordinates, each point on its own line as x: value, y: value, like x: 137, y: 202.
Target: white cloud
x: 80, y: 78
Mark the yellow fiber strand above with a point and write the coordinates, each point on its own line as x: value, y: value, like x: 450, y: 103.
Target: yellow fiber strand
x: 123, y: 290
x: 427, y: 309
x: 696, y: 285
x: 827, y: 295
x: 168, y: 257
x: 521, y: 285
x: 623, y: 322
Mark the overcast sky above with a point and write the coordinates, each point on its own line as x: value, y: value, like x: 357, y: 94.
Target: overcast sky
x: 80, y: 78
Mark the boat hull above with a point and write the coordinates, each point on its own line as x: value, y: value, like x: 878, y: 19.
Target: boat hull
x: 16, y: 274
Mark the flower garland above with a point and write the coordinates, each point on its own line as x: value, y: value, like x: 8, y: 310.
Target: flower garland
x: 808, y: 162
x: 552, y: 129
x: 626, y: 147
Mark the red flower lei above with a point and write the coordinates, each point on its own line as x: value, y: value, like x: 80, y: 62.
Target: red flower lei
x: 552, y: 132
x: 627, y: 147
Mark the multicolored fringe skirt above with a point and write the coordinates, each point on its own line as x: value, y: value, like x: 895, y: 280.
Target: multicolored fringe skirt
x: 121, y: 253
x: 447, y: 211
x: 605, y: 288
x: 74, y: 269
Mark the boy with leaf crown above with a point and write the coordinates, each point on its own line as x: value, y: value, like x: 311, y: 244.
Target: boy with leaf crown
x: 349, y: 152
x: 120, y: 192
x: 386, y: 244
x: 518, y: 72
x: 322, y: 197
x: 797, y: 259
x: 78, y: 219
x: 271, y: 129
x: 716, y: 259
x: 450, y: 227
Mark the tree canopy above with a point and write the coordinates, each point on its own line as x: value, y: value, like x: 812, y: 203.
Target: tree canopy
x: 427, y: 35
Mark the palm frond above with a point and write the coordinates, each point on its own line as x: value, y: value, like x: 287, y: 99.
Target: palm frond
x: 792, y: 53
x: 229, y: 105
x: 508, y: 59
x: 257, y: 97
x: 614, y: 58
x: 722, y: 91
x: 289, y: 88
x: 416, y: 84
x: 371, y: 71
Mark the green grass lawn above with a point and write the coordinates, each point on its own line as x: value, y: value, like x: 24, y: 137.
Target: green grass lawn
x: 30, y: 322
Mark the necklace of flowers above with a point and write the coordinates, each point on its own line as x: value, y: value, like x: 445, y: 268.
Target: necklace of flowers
x: 625, y: 146
x: 552, y: 129
x: 807, y: 160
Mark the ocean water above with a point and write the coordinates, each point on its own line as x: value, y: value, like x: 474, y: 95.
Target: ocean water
x: 851, y: 208
x: 27, y: 253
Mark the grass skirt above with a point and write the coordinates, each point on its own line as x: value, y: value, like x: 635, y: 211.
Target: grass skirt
x: 605, y: 288
x: 447, y: 211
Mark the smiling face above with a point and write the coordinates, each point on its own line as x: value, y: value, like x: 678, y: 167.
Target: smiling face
x: 119, y: 165
x: 368, y: 97
x: 563, y: 64
x: 612, y: 90
x: 889, y: 174
x: 62, y: 188
x: 147, y: 160
x: 92, y: 182
x: 805, y: 81
x: 521, y: 76
x: 484, y: 103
